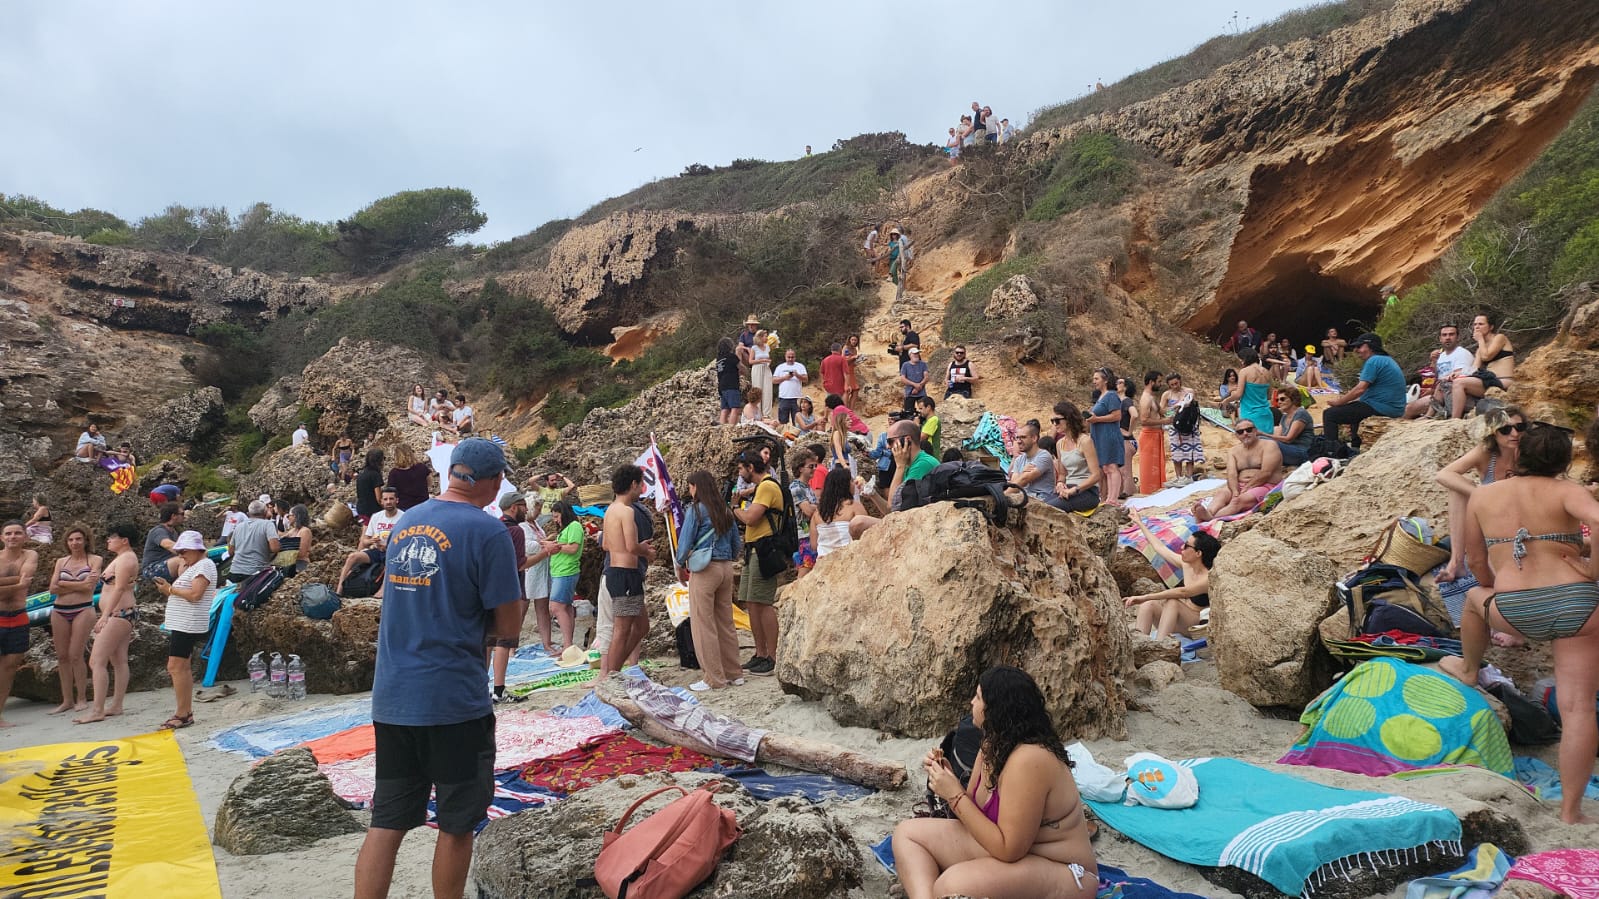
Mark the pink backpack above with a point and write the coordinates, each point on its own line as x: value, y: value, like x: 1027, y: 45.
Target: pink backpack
x: 669, y: 853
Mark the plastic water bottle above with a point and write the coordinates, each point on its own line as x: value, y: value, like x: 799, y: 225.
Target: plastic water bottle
x: 296, y: 672
x: 279, y: 684
x: 258, y: 673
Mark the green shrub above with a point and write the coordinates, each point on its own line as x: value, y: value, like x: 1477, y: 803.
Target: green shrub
x: 525, y: 455
x: 33, y: 214
x: 204, y: 479
x: 1089, y: 169
x: 963, y: 317
x: 405, y: 223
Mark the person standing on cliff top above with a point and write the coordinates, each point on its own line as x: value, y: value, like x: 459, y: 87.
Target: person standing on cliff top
x: 452, y: 583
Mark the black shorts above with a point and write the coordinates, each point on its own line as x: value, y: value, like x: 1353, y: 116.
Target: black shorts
x: 181, y: 645
x: 456, y: 760
x: 14, y: 640
x: 624, y: 582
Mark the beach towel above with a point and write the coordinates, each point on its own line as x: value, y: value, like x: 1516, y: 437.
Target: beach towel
x: 606, y: 757
x: 1389, y: 715
x: 1286, y: 831
x: 883, y: 851
x: 1569, y: 872
x: 1170, y: 528
x: 1114, y: 883
x: 259, y: 739
x: 732, y: 738
x: 1544, y: 781
x: 814, y: 787
x: 512, y: 794
x: 1176, y: 496
x: 994, y: 435
x: 1216, y: 417
x: 1478, y: 878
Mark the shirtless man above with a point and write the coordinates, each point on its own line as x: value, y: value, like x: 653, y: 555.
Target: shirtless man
x: 1332, y: 348
x: 623, y: 579
x: 1254, y: 467
x: 118, y: 614
x: 1151, y: 437
x: 17, y: 566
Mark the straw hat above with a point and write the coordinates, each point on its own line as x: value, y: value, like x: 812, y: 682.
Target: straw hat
x: 753, y: 319
x: 574, y: 656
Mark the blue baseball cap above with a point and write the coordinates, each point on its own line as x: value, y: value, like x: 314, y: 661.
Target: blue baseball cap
x: 477, y: 458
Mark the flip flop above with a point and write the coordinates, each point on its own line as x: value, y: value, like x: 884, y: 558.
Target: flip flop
x: 176, y: 723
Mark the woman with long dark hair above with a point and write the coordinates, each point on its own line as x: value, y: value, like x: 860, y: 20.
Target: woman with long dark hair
x: 839, y: 518
x: 1104, y: 429
x: 1077, y: 469
x: 369, y: 485
x: 1033, y: 843
x: 294, y: 546
x: 708, y: 523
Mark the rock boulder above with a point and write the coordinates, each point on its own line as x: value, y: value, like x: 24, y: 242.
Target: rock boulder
x: 1267, y: 598
x: 1016, y: 297
x: 334, y: 663
x: 678, y: 411
x: 291, y: 475
x: 1559, y: 381
x: 894, y: 631
x: 357, y: 385
x: 187, y: 424
x: 278, y: 409
x: 789, y: 848
x: 280, y: 804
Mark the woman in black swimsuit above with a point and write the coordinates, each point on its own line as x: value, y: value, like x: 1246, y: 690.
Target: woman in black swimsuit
x: 1177, y: 610
x: 1496, y: 364
x: 76, y: 576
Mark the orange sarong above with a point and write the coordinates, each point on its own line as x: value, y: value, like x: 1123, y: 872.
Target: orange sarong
x: 1151, y: 460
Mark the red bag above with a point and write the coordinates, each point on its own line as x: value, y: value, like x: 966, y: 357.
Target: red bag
x: 669, y: 853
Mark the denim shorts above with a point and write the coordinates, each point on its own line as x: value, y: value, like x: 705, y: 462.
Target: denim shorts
x: 563, y: 589
x: 732, y: 399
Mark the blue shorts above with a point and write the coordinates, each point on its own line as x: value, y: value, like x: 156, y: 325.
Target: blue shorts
x: 563, y: 589
x: 732, y: 399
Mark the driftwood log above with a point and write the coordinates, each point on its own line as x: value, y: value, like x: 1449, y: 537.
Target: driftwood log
x: 779, y: 749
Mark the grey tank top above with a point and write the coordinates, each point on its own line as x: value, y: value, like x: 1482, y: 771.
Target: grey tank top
x: 1076, y: 465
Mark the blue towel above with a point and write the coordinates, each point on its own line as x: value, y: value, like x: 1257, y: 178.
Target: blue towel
x: 1279, y: 828
x: 1453, y: 593
x: 259, y: 739
x: 1544, y: 781
x: 1114, y: 883
x: 592, y: 705
x: 884, y: 853
x: 815, y: 787
x: 1478, y: 878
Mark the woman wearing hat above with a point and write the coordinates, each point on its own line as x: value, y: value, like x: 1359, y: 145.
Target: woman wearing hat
x: 188, y: 619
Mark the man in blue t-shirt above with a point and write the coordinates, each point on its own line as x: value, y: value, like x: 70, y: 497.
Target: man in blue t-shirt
x: 451, y: 584
x: 1380, y: 391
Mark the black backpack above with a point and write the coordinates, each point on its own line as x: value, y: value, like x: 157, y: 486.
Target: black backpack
x: 1329, y: 448
x: 684, y: 637
x: 256, y: 589
x: 1186, y: 421
x: 1381, y: 598
x: 785, y: 528
x: 968, y: 485
x: 960, y: 747
x: 362, y: 580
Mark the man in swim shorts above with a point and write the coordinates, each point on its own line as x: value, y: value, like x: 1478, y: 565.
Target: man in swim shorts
x: 1254, y: 469
x: 624, y: 579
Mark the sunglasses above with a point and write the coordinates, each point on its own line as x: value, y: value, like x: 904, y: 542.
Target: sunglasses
x: 1519, y: 426
x: 1244, y: 432
x: 1056, y: 419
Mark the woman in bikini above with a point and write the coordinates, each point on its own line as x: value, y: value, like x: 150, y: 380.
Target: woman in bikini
x: 76, y: 576
x: 1523, y: 539
x: 294, y: 546
x: 1033, y: 844
x: 38, y: 525
x: 1496, y: 365
x: 1178, y: 610
x: 1492, y: 459
x: 114, y: 631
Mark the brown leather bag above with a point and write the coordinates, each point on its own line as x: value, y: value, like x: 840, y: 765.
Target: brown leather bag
x: 669, y: 853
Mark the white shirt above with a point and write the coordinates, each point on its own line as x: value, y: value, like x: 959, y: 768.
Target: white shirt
x: 300, y: 435
x: 380, y: 525
x: 462, y: 414
x: 231, y: 520
x: 188, y: 617
x: 790, y: 389
x: 1455, y: 363
x: 86, y: 439
x: 871, y: 238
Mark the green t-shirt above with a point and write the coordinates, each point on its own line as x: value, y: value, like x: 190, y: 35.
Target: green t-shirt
x: 920, y: 466
x: 933, y: 433
x: 568, y: 564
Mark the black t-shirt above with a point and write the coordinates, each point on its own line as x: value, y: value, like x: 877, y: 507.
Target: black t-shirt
x: 906, y: 340
x: 964, y: 388
x: 977, y: 121
x: 727, y: 372
x: 1127, y: 413
x: 367, y: 482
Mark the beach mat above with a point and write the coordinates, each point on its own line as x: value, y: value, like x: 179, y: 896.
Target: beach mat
x: 1286, y: 831
x: 259, y: 739
x: 814, y: 787
x: 1172, y: 496
x: 113, y: 817
x: 610, y: 756
x: 512, y: 794
x: 1544, y: 782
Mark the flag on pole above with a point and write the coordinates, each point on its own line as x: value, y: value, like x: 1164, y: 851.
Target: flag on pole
x: 658, y: 484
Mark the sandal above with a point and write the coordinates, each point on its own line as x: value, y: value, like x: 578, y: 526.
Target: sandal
x: 175, y: 723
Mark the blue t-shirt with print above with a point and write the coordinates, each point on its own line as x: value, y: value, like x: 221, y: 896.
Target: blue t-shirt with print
x: 1385, y: 391
x: 449, y: 564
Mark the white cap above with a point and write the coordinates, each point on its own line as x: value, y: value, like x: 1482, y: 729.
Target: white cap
x: 265, y: 498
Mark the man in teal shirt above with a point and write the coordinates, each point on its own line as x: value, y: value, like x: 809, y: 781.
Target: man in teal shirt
x: 1380, y: 391
x: 911, y: 462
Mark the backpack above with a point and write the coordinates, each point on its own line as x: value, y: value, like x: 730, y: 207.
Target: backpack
x: 669, y: 853
x: 1382, y: 598
x: 967, y: 484
x: 775, y: 554
x: 319, y: 601
x: 1186, y: 421
x: 256, y: 589
x: 960, y: 747
x: 684, y: 636
x: 1324, y: 447
x: 363, y: 580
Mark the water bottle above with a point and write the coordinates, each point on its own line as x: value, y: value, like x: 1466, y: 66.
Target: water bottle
x: 279, y: 677
x: 296, y: 672
x: 258, y: 673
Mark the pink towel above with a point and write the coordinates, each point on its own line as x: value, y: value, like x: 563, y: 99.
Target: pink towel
x: 1569, y: 872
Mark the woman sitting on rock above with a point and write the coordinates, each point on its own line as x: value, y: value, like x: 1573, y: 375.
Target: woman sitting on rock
x: 1523, y: 542
x: 294, y: 545
x: 1177, y: 610
x: 1496, y: 363
x: 341, y: 459
x: 1295, y: 430
x: 1077, y: 469
x: 1033, y: 843
x: 416, y: 406
x: 1493, y: 458
x: 839, y: 518
x: 1230, y: 392
x: 38, y: 525
x: 806, y: 418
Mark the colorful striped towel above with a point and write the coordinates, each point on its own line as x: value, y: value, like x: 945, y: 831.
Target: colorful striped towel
x: 1478, y: 878
x: 1170, y: 528
x: 1283, y: 830
x: 1216, y: 417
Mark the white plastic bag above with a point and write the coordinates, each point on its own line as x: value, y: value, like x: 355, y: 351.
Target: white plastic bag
x: 1095, y: 781
x: 1159, y: 783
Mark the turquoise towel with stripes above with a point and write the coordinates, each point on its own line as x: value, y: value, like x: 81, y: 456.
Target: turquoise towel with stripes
x: 1284, y: 830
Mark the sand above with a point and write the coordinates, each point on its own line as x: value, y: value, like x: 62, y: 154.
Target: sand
x: 1191, y: 718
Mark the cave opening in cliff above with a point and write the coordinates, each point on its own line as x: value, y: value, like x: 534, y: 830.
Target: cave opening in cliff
x: 1300, y: 304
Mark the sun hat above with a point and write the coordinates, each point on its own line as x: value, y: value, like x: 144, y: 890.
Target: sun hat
x: 753, y: 319
x: 511, y: 499
x: 189, y: 540
x: 478, y: 457
x: 573, y: 656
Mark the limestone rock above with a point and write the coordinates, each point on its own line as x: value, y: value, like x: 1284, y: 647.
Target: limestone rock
x: 294, y: 474
x: 1016, y: 297
x: 1147, y: 649
x: 1341, y: 519
x: 678, y: 411
x: 788, y: 849
x: 182, y: 424
x: 1158, y: 675
x: 147, y: 660
x: 357, y: 385
x: 356, y: 621
x: 1559, y: 381
x: 332, y: 664
x: 280, y: 804
x: 947, y: 596
x: 712, y: 448
x: 278, y: 409
x: 1267, y: 599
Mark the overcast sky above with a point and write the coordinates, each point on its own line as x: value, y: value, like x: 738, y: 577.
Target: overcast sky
x: 320, y: 108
